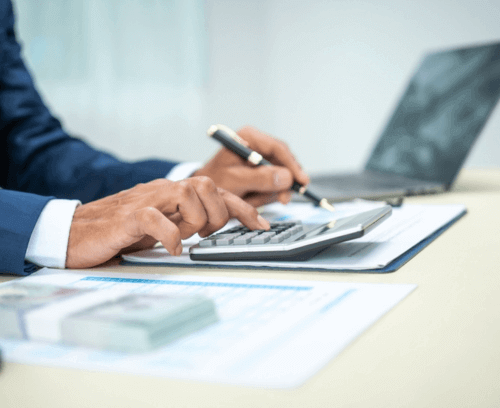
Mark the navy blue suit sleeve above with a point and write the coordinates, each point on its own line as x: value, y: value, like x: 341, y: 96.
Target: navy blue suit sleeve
x: 37, y: 155
x: 39, y: 161
x: 19, y: 213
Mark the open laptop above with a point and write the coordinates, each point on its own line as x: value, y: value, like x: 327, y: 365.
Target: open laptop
x: 440, y: 115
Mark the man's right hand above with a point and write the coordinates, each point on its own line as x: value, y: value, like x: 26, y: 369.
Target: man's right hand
x: 160, y: 210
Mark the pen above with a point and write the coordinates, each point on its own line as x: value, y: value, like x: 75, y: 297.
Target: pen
x: 230, y: 139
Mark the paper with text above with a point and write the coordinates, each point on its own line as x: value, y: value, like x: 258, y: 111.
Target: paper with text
x: 271, y: 333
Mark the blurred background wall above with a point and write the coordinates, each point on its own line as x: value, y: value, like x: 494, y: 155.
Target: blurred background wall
x: 144, y: 78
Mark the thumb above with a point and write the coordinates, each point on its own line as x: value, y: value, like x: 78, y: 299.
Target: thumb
x: 263, y: 179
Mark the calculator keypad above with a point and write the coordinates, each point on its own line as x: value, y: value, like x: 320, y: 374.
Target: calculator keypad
x: 241, y: 235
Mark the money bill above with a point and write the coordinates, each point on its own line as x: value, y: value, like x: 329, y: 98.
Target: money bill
x: 101, y: 318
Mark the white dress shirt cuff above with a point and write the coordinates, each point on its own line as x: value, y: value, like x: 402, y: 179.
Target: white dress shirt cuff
x: 49, y: 240
x: 183, y: 170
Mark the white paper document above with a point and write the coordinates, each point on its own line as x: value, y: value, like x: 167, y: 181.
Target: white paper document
x: 270, y: 333
x: 404, y: 229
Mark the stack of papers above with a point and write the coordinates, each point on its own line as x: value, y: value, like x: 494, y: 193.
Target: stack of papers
x: 270, y: 333
x: 384, y: 249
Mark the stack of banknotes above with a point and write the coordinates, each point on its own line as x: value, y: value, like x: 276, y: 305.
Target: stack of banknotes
x: 102, y: 318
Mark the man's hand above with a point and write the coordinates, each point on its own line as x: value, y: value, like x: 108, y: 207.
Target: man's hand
x: 256, y: 185
x: 161, y: 210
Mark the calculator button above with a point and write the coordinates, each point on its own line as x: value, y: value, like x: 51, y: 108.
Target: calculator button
x: 205, y: 243
x: 285, y: 234
x: 226, y: 239
x: 279, y: 224
x: 245, y: 238
x: 278, y: 238
x: 263, y: 238
x: 280, y: 229
x: 295, y: 230
x: 210, y: 241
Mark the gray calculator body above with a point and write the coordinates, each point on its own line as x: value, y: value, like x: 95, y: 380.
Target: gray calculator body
x: 286, y: 241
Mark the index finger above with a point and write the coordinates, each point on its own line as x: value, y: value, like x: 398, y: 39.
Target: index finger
x: 276, y: 151
x: 244, y: 212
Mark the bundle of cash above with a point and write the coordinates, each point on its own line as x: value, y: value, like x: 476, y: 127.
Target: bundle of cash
x: 102, y: 318
x: 18, y: 299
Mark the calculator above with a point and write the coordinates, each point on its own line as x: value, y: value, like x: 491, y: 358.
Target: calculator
x: 286, y: 240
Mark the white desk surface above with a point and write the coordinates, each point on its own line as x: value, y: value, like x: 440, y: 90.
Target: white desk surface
x: 439, y: 348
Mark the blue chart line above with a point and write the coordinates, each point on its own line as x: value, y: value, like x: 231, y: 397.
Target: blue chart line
x: 337, y: 301
x: 188, y: 283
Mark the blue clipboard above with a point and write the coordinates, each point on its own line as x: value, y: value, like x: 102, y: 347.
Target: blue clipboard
x: 391, y: 267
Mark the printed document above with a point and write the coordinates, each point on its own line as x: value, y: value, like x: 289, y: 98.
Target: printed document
x: 270, y: 333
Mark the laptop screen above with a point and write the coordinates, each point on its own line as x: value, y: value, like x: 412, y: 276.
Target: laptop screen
x: 442, y: 111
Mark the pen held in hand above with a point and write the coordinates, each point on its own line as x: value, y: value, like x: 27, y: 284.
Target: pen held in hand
x: 232, y: 141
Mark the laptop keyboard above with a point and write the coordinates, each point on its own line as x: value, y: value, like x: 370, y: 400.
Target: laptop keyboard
x: 356, y: 182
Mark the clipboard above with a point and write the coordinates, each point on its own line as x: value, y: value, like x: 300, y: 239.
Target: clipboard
x: 393, y: 266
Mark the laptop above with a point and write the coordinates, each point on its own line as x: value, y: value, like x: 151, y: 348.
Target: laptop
x: 441, y: 113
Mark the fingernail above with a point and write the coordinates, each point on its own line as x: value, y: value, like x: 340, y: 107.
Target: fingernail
x: 263, y: 223
x: 281, y: 178
x: 178, y: 250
